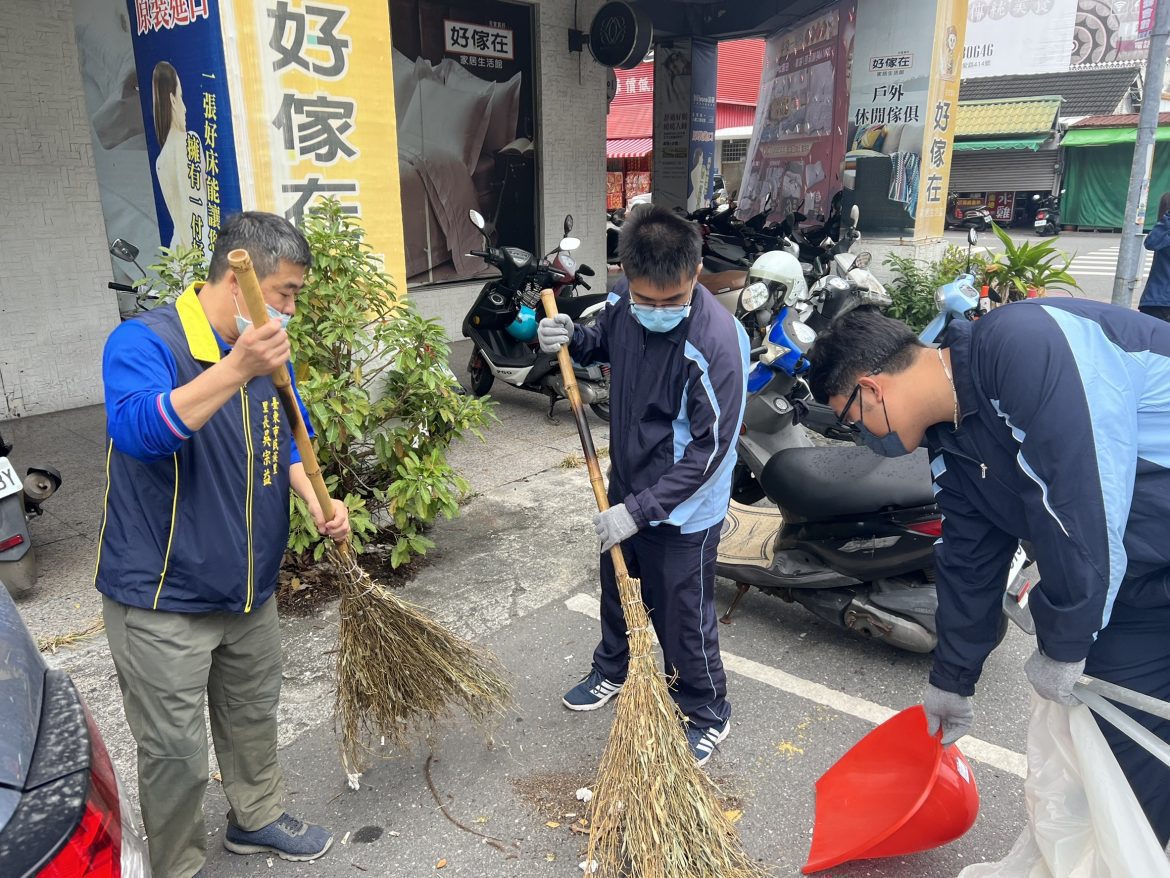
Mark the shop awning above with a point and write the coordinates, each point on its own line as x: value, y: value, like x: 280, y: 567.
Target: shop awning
x: 1013, y: 117
x: 629, y: 147
x: 1107, y: 136
x: 1029, y: 143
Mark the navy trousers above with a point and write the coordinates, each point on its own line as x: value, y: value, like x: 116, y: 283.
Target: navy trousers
x: 677, y: 572
x: 1133, y: 651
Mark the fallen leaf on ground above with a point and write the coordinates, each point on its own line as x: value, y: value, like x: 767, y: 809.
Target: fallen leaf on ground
x: 552, y: 824
x: 442, y: 864
x: 733, y: 815
x: 550, y: 857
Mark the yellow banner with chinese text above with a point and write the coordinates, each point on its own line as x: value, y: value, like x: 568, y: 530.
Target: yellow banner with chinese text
x: 950, y: 27
x: 313, y: 93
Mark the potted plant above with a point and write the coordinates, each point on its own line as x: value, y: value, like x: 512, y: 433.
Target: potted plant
x: 1027, y: 270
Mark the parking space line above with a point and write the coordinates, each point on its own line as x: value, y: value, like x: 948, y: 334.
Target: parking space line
x: 974, y: 748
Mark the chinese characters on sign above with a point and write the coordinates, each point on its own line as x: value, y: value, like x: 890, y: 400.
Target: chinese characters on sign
x: 314, y: 128
x: 883, y: 65
x: 465, y: 38
x: 937, y: 159
x: 157, y: 15
x: 211, y: 159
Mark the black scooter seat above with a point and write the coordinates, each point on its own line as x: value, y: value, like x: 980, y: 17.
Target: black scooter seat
x: 811, y: 484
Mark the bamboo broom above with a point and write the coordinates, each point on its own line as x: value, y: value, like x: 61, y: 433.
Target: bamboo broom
x: 654, y: 812
x: 395, y: 665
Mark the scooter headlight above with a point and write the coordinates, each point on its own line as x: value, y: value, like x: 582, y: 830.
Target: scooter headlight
x: 940, y: 299
x: 754, y: 296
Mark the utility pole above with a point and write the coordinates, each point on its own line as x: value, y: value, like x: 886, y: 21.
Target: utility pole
x: 1130, y: 255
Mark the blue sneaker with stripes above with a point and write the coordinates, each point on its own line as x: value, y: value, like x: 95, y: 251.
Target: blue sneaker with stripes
x: 704, y: 741
x: 591, y: 693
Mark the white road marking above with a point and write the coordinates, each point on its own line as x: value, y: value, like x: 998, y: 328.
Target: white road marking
x: 983, y: 751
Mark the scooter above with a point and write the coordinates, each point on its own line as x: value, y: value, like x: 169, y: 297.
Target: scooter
x: 851, y: 537
x: 973, y: 217
x: 1047, y: 221
x: 958, y: 300
x: 502, y: 321
x: 20, y: 501
x: 135, y: 298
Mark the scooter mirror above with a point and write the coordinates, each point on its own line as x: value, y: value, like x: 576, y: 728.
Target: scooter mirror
x: 124, y: 250
x: 864, y: 258
x: 568, y: 223
x: 972, y: 237
x: 477, y: 219
x: 569, y: 244
x: 1035, y: 197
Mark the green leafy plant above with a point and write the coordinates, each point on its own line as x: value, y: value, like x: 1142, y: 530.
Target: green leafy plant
x: 915, y: 281
x: 1030, y: 266
x: 373, y: 374
x: 174, y: 271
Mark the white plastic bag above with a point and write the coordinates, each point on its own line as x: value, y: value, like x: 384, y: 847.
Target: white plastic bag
x: 1083, y: 819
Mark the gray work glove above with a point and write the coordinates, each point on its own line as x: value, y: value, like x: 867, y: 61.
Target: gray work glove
x: 554, y: 332
x: 614, y: 525
x: 954, y: 713
x: 1052, y: 679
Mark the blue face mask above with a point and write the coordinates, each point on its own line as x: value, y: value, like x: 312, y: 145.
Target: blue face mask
x: 889, y: 445
x: 660, y: 319
x: 243, y: 322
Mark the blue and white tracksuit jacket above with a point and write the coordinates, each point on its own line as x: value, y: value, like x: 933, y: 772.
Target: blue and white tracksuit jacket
x: 677, y: 401
x: 1064, y: 440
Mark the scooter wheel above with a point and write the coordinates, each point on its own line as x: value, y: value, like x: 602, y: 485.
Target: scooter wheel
x: 479, y: 373
x: 601, y: 409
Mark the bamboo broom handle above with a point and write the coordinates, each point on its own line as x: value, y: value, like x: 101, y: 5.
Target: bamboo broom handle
x: 241, y: 264
x: 549, y: 300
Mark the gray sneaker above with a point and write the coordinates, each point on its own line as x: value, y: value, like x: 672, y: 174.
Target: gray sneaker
x: 286, y: 836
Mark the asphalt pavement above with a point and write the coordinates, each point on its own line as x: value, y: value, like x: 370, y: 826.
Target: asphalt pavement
x: 517, y: 572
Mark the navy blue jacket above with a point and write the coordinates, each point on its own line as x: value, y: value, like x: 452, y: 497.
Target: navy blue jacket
x: 194, y: 521
x: 1064, y: 440
x: 676, y: 406
x: 1157, y: 291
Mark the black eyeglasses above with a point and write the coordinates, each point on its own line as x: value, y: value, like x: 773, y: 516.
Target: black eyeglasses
x: 855, y: 397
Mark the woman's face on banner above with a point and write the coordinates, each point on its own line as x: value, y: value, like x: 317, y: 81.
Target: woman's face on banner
x: 178, y: 109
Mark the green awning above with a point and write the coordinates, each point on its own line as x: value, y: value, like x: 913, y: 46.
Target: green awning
x: 1032, y: 143
x: 1105, y: 136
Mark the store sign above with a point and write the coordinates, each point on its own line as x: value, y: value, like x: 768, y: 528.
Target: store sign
x: 463, y: 38
x: 316, y: 86
x: 1008, y: 37
x: 620, y: 35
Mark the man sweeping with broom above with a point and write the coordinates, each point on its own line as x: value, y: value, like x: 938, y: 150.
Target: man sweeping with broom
x: 679, y: 370
x: 200, y: 462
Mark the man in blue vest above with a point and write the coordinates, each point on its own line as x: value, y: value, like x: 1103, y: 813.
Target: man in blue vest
x: 1047, y: 421
x: 679, y: 366
x: 199, y: 463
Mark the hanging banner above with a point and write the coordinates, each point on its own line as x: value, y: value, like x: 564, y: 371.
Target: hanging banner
x: 903, y: 100
x: 187, y: 115
x: 943, y: 104
x: 794, y: 161
x: 704, y: 74
x: 672, y: 129
x: 317, y: 96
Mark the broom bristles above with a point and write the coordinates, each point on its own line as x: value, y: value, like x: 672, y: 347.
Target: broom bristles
x: 396, y: 667
x: 654, y: 812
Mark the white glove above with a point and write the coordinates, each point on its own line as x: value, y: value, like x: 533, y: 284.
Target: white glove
x: 953, y: 713
x: 554, y: 332
x: 1052, y: 679
x: 614, y: 525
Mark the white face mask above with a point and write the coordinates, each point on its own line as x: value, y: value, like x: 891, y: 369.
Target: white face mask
x: 243, y: 322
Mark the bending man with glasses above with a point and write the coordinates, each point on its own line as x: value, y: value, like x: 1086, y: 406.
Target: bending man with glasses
x: 1047, y: 421
x: 678, y: 383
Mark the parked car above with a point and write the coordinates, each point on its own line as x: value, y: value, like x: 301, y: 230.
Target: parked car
x: 63, y: 813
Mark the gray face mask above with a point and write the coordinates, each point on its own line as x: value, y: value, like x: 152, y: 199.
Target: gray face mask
x: 889, y: 445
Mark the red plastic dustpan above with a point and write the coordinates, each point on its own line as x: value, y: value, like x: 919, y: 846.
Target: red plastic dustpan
x: 897, y: 791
